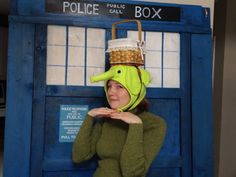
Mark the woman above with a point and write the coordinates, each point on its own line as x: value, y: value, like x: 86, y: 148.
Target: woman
x: 125, y: 136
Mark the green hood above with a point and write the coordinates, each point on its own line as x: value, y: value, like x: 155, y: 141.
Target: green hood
x: 129, y: 77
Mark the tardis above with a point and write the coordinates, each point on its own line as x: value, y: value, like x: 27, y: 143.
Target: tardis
x: 54, y: 48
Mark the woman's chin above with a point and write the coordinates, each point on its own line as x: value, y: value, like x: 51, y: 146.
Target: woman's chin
x: 114, y: 107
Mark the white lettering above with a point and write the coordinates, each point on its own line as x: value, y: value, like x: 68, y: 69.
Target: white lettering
x: 66, y: 108
x: 116, y: 6
x: 148, y: 14
x: 95, y: 9
x: 73, y: 7
x: 115, y: 11
x: 89, y: 11
x: 138, y: 12
x: 156, y: 13
x: 65, y: 5
x: 65, y: 137
x: 81, y: 8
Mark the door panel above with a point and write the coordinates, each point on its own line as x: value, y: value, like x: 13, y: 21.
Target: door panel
x: 168, y: 98
x: 54, y: 149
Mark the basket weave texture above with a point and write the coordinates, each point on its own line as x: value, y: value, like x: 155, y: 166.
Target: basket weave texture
x: 122, y: 56
x: 129, y: 52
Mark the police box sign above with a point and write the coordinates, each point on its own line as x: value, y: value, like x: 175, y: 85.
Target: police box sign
x: 112, y: 9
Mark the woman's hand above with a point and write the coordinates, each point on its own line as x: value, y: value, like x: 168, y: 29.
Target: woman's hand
x: 127, y: 117
x: 101, y: 112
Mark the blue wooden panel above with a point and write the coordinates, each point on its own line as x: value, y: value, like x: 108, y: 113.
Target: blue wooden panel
x: 185, y: 109
x: 53, y: 148
x: 170, y: 172
x: 39, y: 103
x: 79, y: 173
x: 169, y: 110
x: 19, y: 100
x: 202, y: 119
x: 93, y: 22
x: 167, y: 172
x: 13, y: 7
x: 24, y: 7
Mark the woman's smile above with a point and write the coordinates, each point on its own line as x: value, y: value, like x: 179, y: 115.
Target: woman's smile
x: 117, y: 95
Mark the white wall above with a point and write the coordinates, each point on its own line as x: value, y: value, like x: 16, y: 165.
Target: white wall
x: 227, y: 163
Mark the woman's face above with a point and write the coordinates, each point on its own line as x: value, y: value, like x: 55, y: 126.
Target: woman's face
x: 117, y: 95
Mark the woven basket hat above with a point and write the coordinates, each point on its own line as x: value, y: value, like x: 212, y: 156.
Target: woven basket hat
x: 126, y: 51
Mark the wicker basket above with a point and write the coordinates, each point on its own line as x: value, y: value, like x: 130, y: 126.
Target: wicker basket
x: 125, y: 50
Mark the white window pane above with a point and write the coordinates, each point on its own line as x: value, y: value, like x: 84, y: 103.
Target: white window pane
x: 155, y: 77
x: 76, y: 36
x: 171, y: 78
x: 171, y: 60
x: 134, y: 35
x: 55, y: 75
x: 96, y: 57
x: 91, y: 71
x: 56, y: 35
x: 56, y: 55
x: 171, y: 42
x: 154, y: 41
x: 153, y: 59
x: 75, y: 56
x: 95, y: 37
x: 75, y: 76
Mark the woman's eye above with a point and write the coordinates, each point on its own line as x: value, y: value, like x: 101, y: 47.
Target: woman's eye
x: 119, y: 86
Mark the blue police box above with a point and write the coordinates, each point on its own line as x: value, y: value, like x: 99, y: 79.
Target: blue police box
x: 55, y: 46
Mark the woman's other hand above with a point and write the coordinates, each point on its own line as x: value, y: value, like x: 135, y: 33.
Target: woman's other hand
x: 101, y: 112
x: 127, y: 117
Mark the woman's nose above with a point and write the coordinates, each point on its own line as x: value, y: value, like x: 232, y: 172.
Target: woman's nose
x: 111, y: 90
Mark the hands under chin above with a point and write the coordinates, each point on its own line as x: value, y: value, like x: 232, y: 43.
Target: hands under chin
x: 127, y: 117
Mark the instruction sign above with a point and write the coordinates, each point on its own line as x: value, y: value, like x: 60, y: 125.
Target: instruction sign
x: 71, y: 118
x: 113, y: 9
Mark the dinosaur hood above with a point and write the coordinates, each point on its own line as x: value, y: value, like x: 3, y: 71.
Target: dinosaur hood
x: 132, y: 78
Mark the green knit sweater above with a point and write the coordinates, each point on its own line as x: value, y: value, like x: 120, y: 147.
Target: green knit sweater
x: 125, y: 150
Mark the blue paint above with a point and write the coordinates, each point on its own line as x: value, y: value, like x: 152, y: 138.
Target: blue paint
x: 19, y: 100
x: 185, y: 110
x: 38, y: 124
x: 93, y: 22
x: 202, y: 119
x: 32, y: 144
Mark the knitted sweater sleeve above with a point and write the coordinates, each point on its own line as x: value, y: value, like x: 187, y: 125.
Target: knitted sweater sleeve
x: 141, y: 147
x: 85, y: 142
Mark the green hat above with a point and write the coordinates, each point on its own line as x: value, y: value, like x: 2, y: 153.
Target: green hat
x: 132, y: 78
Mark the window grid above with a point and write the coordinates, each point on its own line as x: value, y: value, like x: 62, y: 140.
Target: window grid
x: 162, y: 58
x: 76, y: 53
x: 74, y: 61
